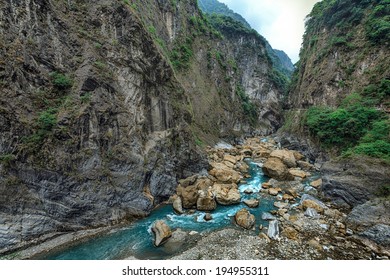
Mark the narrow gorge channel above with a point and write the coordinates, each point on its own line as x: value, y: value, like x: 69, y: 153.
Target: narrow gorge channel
x: 136, y: 240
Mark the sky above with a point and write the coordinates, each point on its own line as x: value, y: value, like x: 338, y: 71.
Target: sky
x: 281, y: 22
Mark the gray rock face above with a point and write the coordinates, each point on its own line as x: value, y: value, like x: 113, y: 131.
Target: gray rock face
x: 114, y: 148
x: 353, y: 182
x: 369, y: 214
x: 380, y: 234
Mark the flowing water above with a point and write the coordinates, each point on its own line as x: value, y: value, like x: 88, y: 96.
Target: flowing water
x: 137, y: 238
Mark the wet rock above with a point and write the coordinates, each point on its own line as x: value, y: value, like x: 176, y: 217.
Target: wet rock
x: 266, y: 185
x: 162, y: 232
x: 275, y: 168
x: 248, y: 191
x: 316, y: 183
x: 245, y: 219
x: 273, y: 230
x: 286, y: 156
x: 177, y: 205
x: 206, y: 201
x: 227, y: 194
x: 267, y: 216
x: 208, y: 217
x: 252, y: 203
x: 274, y: 191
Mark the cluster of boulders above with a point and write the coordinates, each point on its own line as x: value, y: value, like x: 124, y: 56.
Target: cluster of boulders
x: 299, y: 216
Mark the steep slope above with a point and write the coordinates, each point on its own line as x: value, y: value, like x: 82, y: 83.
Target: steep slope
x: 280, y: 60
x: 216, y: 7
x: 340, y: 97
x: 94, y: 125
x: 104, y: 106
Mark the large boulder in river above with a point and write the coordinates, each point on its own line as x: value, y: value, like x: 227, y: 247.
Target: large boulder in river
x: 245, y: 219
x: 162, y: 232
x: 275, y: 168
x: 286, y: 156
x: 226, y: 194
x: 188, y: 195
x: 178, y: 205
x: 206, y: 201
x: 224, y: 174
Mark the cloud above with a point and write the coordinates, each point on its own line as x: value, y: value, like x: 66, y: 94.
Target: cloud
x: 281, y: 22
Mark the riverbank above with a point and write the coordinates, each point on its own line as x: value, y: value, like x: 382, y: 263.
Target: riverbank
x: 285, y: 216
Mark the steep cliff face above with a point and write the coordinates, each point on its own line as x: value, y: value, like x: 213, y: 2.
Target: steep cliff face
x: 94, y: 124
x: 104, y: 106
x: 340, y: 97
x: 345, y: 48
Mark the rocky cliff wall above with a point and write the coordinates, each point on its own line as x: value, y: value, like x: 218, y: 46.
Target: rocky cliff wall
x: 94, y: 124
x: 104, y: 106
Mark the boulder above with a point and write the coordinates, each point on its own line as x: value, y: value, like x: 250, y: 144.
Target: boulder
x: 275, y: 168
x: 206, y: 201
x: 231, y: 159
x: 297, y: 173
x: 208, y: 217
x: 280, y: 204
x: 380, y: 234
x: 226, y: 194
x: 188, y: 195
x: 162, y: 232
x: 312, y: 204
x: 225, y: 174
x: 373, y: 212
x: 177, y: 205
x: 267, y: 216
x: 273, y: 230
x: 245, y: 219
x: 290, y: 233
x: 287, y: 197
x: 252, y: 203
x: 304, y: 165
x: 274, y: 191
x: 188, y: 181
x: 316, y: 183
x: 286, y: 156
x: 262, y: 235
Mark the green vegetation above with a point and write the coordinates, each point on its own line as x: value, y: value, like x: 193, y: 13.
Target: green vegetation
x: 357, y: 126
x: 343, y: 16
x: 280, y: 80
x: 6, y: 159
x: 181, y: 55
x: 250, y: 109
x: 215, y: 7
x: 61, y: 81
